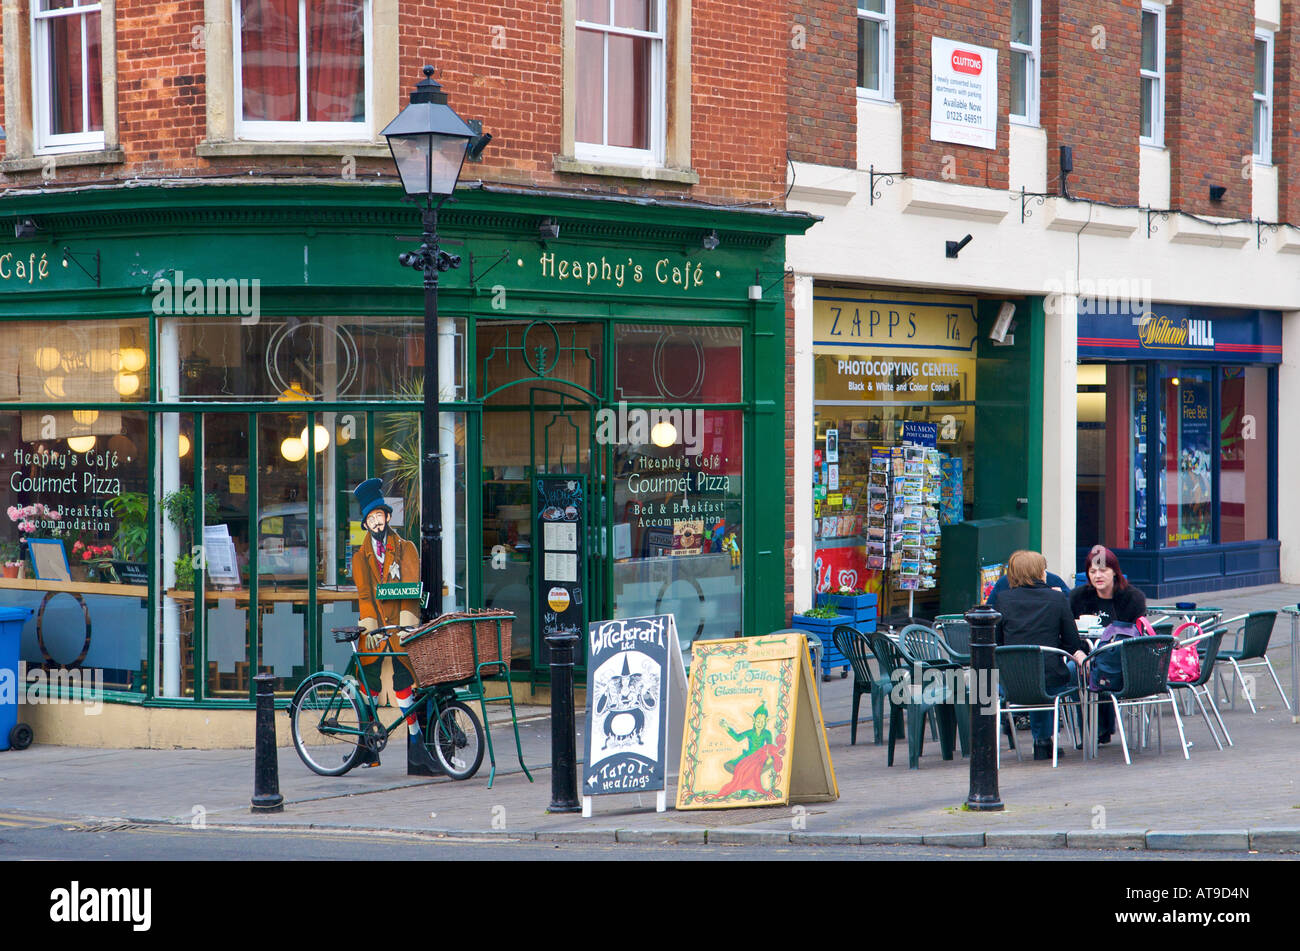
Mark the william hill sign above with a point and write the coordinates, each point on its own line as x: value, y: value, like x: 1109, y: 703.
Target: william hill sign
x: 1164, y: 333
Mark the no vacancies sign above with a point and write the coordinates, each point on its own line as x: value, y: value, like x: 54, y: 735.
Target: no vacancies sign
x: 963, y: 93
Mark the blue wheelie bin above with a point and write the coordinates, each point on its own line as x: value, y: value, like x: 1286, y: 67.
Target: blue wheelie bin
x: 12, y: 733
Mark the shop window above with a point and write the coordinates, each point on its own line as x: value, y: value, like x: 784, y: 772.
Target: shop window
x: 75, y: 539
x: 302, y: 69
x: 678, y: 533
x: 1243, y: 454
x: 75, y: 361
x: 876, y: 49
x: 1186, y: 448
x: 1111, y: 412
x: 677, y: 364
x: 323, y: 358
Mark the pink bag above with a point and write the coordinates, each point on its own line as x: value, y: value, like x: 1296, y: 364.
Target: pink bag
x: 1185, y: 665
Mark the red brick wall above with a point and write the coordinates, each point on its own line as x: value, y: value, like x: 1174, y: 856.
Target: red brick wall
x: 958, y: 20
x: 1286, y: 100
x: 822, y: 98
x: 1091, y: 57
x: 510, y: 77
x: 1210, y: 67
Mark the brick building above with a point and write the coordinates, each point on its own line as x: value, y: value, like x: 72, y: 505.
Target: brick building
x: 206, y: 314
x: 1134, y: 400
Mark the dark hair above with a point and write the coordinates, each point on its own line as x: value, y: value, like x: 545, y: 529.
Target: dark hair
x: 1112, y: 562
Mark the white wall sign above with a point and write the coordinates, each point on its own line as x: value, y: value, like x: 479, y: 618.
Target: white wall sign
x: 963, y: 93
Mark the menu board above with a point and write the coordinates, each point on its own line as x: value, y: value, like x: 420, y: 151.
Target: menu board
x: 559, y: 568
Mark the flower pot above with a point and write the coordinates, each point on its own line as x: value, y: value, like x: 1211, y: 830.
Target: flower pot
x: 11, y: 571
x: 860, y: 607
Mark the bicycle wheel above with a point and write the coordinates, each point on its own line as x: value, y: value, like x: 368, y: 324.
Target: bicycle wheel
x: 325, y: 721
x: 457, y: 740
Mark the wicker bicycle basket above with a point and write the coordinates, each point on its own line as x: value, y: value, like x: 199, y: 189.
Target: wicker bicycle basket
x: 442, y: 651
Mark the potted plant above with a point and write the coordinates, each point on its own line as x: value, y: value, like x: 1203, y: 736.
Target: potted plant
x: 179, y: 506
x: 132, y: 537
x: 822, y: 621
x: 12, y: 558
x: 855, y: 602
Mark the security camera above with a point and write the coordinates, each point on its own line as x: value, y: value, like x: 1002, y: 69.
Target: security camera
x: 25, y: 228
x: 1004, y: 324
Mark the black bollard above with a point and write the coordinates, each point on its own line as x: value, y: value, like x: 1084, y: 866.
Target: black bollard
x: 564, y: 738
x: 266, y: 770
x: 984, y: 795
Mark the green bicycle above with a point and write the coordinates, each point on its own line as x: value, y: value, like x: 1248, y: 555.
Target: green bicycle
x: 335, y: 722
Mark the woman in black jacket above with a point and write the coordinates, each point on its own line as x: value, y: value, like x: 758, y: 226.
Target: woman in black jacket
x: 1109, y: 597
x: 1033, y: 613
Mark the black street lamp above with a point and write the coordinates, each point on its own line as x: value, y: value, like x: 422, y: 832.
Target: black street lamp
x: 429, y: 143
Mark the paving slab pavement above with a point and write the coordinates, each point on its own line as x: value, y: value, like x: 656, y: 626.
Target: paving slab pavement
x: 1249, y: 793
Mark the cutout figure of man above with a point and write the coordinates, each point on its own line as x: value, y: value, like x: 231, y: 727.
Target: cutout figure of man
x: 386, y: 557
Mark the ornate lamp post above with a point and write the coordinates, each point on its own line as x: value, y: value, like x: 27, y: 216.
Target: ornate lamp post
x: 429, y: 143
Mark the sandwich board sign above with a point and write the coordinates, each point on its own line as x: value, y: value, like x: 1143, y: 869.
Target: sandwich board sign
x: 754, y: 731
x: 636, y: 690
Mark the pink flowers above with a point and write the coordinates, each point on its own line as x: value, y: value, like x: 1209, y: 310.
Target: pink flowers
x: 33, y: 518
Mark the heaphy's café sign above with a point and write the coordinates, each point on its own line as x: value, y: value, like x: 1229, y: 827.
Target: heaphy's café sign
x: 1173, y: 331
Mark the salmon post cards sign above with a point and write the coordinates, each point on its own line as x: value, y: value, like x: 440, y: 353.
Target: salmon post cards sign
x: 754, y: 729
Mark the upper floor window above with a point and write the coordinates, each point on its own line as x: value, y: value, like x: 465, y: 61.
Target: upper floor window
x: 67, y: 75
x: 1153, y: 75
x: 1263, y: 121
x: 302, y: 69
x: 876, y: 48
x: 1025, y: 47
x: 621, y: 86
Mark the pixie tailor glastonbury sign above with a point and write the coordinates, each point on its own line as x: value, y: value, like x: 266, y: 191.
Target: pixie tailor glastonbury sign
x: 636, y: 685
x: 963, y: 93
x: 754, y: 732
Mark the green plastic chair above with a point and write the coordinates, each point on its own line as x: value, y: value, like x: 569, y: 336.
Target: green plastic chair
x: 854, y: 646
x: 1252, y: 647
x: 1207, y: 645
x: 1144, y: 662
x: 931, y: 696
x: 1022, y: 674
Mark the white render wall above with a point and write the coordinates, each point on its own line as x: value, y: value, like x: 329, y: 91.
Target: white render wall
x: 1061, y: 246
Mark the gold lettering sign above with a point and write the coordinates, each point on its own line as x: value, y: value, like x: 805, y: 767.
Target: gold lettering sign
x: 1158, y: 332
x: 24, y: 270
x: 619, y: 273
x: 851, y: 317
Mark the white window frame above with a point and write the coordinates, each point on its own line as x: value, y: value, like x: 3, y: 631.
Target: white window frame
x: 621, y: 155
x: 1033, y: 54
x: 886, y: 53
x: 1157, y: 137
x: 1264, y: 156
x: 261, y: 130
x: 46, y: 142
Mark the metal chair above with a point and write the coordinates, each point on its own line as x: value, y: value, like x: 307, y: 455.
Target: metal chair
x: 928, y: 646
x: 1022, y: 674
x: 1207, y: 645
x: 1252, y: 646
x: 1144, y: 662
x: 854, y: 646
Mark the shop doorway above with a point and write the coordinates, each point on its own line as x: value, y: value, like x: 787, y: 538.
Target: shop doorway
x: 540, y: 381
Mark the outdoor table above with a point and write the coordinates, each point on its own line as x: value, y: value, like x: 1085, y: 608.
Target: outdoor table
x: 1201, y: 616
x: 1293, y: 612
x: 1088, y: 701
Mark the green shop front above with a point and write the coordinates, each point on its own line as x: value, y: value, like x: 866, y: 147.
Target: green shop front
x: 198, y: 376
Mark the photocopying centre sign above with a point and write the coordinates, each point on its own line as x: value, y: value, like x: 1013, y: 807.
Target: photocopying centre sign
x: 963, y: 93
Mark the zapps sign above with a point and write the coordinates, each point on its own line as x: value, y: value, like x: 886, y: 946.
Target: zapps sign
x: 963, y: 93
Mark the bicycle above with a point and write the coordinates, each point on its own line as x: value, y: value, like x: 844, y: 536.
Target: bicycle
x: 335, y: 722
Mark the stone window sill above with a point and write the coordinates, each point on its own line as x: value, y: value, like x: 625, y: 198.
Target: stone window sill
x: 358, y: 149
x: 684, y: 176
x: 36, y: 163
